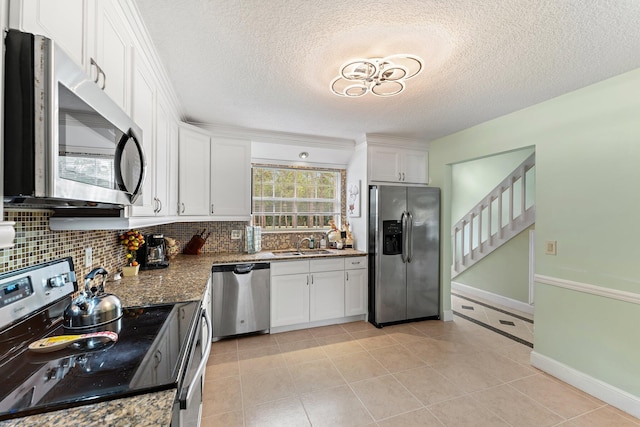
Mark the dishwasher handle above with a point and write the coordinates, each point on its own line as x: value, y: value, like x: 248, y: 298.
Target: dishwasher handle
x: 240, y: 268
x: 243, y: 268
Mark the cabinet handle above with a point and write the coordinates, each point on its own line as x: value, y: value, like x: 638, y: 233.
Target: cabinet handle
x: 312, y: 279
x: 182, y: 208
x: 307, y: 280
x: 159, y: 205
x: 99, y: 72
x: 104, y: 79
x: 347, y: 275
x: 399, y: 176
x: 403, y: 176
x: 94, y: 64
x: 212, y: 208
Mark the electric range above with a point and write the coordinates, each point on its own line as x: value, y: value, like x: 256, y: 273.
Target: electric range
x: 151, y: 353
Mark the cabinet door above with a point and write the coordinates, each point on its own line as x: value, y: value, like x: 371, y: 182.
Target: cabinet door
x: 172, y: 203
x: 415, y: 167
x: 289, y: 299
x: 164, y: 173
x: 230, y: 177
x: 355, y: 292
x: 326, y: 300
x: 61, y: 20
x: 112, y: 52
x: 144, y: 100
x: 193, y: 172
x: 384, y: 164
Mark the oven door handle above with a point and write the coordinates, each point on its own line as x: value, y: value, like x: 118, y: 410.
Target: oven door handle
x: 203, y: 362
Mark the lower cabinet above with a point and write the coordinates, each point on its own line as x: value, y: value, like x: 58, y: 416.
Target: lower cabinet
x: 289, y: 299
x: 356, y: 282
x: 316, y: 290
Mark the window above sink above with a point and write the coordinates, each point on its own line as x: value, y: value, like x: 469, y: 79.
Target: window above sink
x: 297, y: 199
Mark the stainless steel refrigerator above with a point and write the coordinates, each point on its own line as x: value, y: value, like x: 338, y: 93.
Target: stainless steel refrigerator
x: 404, y: 254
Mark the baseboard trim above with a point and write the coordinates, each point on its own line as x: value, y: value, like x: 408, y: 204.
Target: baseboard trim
x: 616, y: 294
x: 495, y: 298
x: 447, y: 315
x: 606, y: 392
x: 316, y: 324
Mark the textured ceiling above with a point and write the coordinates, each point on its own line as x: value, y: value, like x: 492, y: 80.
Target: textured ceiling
x: 267, y: 64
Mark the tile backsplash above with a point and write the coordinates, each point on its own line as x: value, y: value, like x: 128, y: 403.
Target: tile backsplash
x: 36, y: 243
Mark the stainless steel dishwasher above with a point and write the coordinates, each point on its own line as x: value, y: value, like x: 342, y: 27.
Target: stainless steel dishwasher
x: 240, y: 299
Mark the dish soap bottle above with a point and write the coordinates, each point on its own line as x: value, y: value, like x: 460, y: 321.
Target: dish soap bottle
x: 311, y: 242
x: 323, y: 243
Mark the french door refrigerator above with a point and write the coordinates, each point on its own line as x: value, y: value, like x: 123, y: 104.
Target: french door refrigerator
x: 404, y: 254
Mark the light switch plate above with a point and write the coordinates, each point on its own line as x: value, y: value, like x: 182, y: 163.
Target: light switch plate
x: 236, y: 234
x: 551, y: 247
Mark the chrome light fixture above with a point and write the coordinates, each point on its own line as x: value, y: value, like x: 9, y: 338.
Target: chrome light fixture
x: 379, y: 76
x: 303, y: 155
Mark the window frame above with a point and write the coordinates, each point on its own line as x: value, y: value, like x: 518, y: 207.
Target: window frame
x: 340, y: 200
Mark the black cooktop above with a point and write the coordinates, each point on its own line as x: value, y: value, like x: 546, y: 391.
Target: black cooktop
x: 147, y: 357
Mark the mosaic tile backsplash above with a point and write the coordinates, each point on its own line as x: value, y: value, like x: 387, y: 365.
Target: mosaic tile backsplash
x: 36, y: 243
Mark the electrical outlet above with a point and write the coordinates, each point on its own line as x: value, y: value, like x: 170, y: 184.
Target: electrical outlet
x: 551, y: 247
x: 88, y: 257
x: 236, y: 234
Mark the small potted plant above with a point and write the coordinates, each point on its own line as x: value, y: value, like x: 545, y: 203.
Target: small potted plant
x: 131, y: 240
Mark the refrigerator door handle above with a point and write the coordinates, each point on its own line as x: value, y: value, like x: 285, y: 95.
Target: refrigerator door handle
x: 410, y: 236
x: 405, y: 251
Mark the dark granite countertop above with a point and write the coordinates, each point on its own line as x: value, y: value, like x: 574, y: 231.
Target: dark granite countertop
x: 184, y: 280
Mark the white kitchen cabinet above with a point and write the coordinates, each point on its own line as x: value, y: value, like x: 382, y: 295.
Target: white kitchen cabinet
x: 172, y: 161
x: 355, y: 286
x: 194, y: 161
x: 230, y: 178
x: 143, y: 114
x: 326, y: 298
x: 64, y: 21
x: 393, y: 164
x: 110, y: 46
x: 289, y: 299
x: 166, y: 170
x: 304, y: 292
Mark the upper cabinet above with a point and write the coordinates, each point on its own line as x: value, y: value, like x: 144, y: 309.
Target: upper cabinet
x: 94, y: 33
x: 398, y: 165
x: 65, y: 21
x: 144, y: 114
x: 230, y: 178
x: 110, y: 49
x: 214, y: 176
x: 194, y: 184
x: 166, y: 157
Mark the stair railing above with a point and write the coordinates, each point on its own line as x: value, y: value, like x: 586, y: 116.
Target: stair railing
x: 502, y: 214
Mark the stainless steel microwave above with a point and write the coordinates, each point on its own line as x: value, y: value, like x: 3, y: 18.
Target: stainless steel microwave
x: 66, y: 142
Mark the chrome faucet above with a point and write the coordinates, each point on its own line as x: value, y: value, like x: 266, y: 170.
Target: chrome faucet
x: 300, y: 241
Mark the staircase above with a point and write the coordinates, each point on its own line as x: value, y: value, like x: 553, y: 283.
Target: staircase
x: 502, y: 214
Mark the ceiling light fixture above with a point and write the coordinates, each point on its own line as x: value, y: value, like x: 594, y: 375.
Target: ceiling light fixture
x: 380, y: 76
x: 303, y: 155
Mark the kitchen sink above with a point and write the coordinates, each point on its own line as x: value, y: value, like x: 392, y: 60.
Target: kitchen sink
x: 293, y: 252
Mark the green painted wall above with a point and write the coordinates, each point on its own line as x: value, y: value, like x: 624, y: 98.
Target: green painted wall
x: 504, y: 272
x: 587, y: 146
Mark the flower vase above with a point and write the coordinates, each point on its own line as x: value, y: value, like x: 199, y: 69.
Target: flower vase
x: 130, y: 270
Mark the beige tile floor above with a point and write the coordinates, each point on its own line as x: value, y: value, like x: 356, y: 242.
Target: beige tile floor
x: 429, y: 373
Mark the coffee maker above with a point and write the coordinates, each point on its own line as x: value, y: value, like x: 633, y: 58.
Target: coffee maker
x: 153, y: 254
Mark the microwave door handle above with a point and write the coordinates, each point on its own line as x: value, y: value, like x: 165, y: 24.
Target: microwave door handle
x: 203, y: 362
x: 130, y: 135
